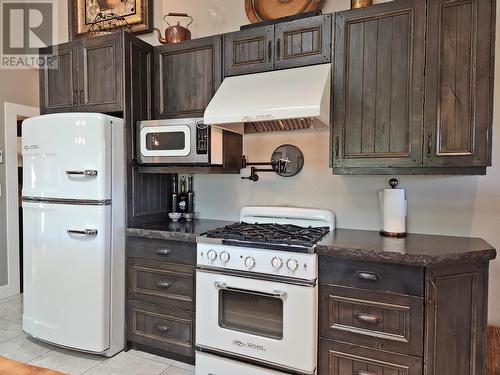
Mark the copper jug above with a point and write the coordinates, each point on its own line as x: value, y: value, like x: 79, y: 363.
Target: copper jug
x: 176, y: 33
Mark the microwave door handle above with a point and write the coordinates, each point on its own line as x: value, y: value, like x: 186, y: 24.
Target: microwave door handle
x: 274, y: 294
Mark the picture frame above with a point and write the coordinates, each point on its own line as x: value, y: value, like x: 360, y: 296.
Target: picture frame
x: 137, y: 13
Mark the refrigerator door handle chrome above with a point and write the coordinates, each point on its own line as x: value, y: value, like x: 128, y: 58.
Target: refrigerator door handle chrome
x: 87, y: 172
x: 86, y: 232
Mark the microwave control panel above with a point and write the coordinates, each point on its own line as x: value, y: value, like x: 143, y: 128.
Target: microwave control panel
x: 202, y: 138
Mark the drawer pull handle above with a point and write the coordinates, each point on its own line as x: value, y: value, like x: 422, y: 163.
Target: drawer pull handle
x: 162, y: 328
x: 368, y: 276
x: 163, y: 284
x: 368, y: 319
x: 85, y: 173
x: 164, y: 252
x: 85, y: 232
x: 364, y: 372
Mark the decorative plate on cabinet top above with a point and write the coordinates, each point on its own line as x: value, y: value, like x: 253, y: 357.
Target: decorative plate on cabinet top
x: 265, y: 10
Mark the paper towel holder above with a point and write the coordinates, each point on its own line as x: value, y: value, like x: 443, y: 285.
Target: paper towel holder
x: 393, y: 183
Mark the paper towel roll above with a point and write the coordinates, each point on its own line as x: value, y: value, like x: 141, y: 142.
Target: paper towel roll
x: 393, y: 204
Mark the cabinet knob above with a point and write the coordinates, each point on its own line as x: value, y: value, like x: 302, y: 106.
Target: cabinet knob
x: 162, y: 328
x: 367, y: 276
x: 368, y: 319
x: 163, y: 284
x: 163, y: 252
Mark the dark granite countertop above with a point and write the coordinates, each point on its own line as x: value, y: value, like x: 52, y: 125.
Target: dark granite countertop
x: 415, y: 249
x: 176, y: 231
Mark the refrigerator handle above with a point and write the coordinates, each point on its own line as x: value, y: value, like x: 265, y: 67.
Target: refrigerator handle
x: 87, y: 172
x: 86, y: 232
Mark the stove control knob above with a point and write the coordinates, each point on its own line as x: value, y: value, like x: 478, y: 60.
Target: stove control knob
x: 211, y: 255
x: 292, y: 265
x: 224, y: 257
x: 277, y: 263
x: 249, y: 262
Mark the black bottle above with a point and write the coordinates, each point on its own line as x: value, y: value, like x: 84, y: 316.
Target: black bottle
x: 174, y: 197
x: 190, y: 196
x: 183, y: 196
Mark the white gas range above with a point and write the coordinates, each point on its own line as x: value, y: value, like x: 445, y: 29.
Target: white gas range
x: 257, y: 295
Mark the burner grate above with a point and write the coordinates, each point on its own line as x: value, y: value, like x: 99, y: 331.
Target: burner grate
x: 282, y: 234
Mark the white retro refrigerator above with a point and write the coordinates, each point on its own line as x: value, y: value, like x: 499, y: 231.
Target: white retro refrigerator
x: 74, y: 231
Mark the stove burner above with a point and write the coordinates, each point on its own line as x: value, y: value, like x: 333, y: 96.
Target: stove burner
x: 280, y: 234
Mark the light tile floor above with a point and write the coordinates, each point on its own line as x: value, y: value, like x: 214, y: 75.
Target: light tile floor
x: 16, y: 345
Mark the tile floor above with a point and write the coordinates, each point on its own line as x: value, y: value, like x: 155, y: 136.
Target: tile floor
x: 17, y: 345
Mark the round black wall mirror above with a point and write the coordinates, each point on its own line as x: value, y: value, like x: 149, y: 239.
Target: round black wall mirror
x: 287, y: 160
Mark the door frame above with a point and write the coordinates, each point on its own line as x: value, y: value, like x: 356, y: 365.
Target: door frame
x: 11, y: 113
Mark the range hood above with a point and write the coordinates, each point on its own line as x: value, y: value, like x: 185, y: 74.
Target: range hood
x: 290, y: 99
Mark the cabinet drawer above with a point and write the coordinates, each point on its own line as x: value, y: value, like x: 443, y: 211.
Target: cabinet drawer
x: 168, y: 251
x: 373, y: 319
x: 163, y: 328
x: 162, y: 283
x: 337, y: 358
x: 374, y: 276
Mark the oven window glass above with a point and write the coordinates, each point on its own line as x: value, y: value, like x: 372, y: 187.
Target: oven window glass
x: 166, y: 141
x: 251, y: 313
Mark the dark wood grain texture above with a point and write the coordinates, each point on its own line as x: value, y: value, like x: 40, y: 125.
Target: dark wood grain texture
x: 459, y: 81
x: 378, y: 85
x: 303, y: 42
x: 456, y: 318
x: 59, y: 86
x: 182, y: 252
x: 163, y: 283
x: 249, y: 51
x: 372, y: 276
x: 337, y: 358
x: 384, y: 321
x: 101, y: 73
x: 168, y: 329
x: 187, y: 76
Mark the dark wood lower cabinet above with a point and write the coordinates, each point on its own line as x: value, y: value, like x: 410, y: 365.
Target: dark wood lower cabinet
x: 337, y: 358
x: 161, y: 297
x: 378, y: 330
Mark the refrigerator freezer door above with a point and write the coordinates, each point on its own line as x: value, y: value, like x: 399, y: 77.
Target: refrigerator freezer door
x: 67, y: 156
x: 67, y: 274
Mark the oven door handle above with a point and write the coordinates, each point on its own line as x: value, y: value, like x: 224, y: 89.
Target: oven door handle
x: 275, y: 294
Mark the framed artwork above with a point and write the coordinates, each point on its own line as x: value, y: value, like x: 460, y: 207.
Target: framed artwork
x: 137, y: 13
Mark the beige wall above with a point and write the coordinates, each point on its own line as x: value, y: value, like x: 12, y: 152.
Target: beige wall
x: 19, y: 87
x: 468, y: 206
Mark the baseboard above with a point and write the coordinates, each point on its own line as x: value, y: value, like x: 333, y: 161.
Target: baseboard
x: 493, y: 350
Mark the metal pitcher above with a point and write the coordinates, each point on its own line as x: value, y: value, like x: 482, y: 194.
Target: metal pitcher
x: 176, y: 33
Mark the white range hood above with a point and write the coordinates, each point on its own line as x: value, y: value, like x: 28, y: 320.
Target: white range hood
x: 288, y: 99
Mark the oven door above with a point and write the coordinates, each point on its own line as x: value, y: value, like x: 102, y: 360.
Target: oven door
x: 270, y: 322
x: 165, y: 141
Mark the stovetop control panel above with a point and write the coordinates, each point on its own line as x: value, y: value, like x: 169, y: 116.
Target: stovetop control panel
x: 264, y: 261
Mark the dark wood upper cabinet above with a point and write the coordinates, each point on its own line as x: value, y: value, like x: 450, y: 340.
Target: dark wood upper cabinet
x: 58, y: 86
x: 291, y: 44
x: 378, y: 85
x: 88, y: 77
x: 459, y: 82
x: 187, y: 76
x: 249, y: 51
x: 303, y: 42
x: 390, y: 114
x: 100, y: 71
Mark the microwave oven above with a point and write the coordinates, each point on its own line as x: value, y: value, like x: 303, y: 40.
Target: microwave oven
x: 186, y: 141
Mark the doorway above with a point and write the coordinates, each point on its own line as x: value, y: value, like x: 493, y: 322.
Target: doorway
x: 14, y: 114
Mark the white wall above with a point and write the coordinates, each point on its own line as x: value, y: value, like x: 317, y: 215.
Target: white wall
x: 20, y: 87
x: 467, y: 206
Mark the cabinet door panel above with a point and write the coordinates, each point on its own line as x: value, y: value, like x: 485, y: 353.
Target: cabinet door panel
x: 458, y: 79
x: 304, y: 42
x: 378, y: 85
x: 187, y: 77
x: 101, y: 74
x: 58, y: 91
x: 336, y: 358
x: 249, y: 51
